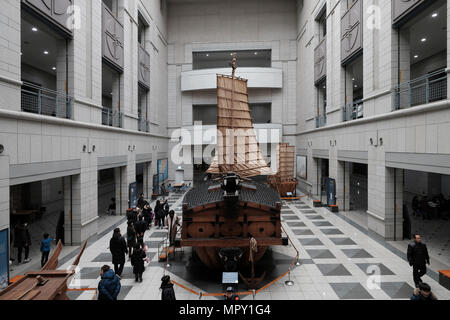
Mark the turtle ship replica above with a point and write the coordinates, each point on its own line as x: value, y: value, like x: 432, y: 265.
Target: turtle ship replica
x: 284, y: 181
x: 46, y: 284
x: 231, y: 220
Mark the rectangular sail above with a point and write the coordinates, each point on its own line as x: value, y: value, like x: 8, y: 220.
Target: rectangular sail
x: 237, y: 148
x: 286, y: 160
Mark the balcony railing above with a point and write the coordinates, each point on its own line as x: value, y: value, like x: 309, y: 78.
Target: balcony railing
x: 353, y: 111
x: 112, y: 118
x: 321, y: 121
x: 143, y: 125
x: 428, y: 88
x: 46, y: 102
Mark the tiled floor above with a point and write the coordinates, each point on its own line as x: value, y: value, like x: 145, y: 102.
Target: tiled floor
x: 338, y: 261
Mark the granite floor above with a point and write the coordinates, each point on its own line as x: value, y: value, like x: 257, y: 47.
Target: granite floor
x: 338, y: 260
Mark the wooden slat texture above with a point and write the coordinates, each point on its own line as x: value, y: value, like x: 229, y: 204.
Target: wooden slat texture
x: 237, y: 147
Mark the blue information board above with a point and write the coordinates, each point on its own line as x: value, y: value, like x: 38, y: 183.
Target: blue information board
x: 133, y: 195
x: 4, y: 259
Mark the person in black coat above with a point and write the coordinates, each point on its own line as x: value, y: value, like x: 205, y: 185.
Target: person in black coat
x: 418, y: 258
x: 159, y: 214
x: 137, y: 261
x: 109, y: 285
x: 167, y: 292
x: 147, y: 214
x: 22, y: 240
x: 141, y: 201
x: 140, y: 227
x: 118, y: 248
x: 132, y: 215
x: 131, y: 238
x: 166, y: 209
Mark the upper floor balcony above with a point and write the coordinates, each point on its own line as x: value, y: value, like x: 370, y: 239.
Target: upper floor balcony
x: 112, y: 118
x: 425, y: 89
x: 321, y: 121
x: 37, y: 99
x: 353, y: 111
x: 143, y: 125
x: 206, y: 79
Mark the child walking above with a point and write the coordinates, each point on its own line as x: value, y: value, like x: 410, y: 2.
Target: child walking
x: 45, y: 248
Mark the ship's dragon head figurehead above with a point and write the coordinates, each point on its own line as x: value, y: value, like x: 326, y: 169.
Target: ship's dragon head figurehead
x: 230, y: 258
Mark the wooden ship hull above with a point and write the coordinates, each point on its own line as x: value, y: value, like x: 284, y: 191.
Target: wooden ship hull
x: 209, y: 226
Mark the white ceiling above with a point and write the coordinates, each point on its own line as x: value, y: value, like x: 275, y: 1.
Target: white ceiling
x: 433, y: 29
x: 35, y: 43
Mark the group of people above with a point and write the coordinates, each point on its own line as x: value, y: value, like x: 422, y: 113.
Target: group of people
x: 431, y: 208
x: 22, y: 242
x: 139, y: 220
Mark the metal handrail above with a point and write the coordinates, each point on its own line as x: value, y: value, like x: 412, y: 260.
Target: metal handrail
x: 353, y: 111
x: 143, y: 125
x: 321, y: 121
x: 422, y: 90
x: 44, y: 101
x: 112, y: 118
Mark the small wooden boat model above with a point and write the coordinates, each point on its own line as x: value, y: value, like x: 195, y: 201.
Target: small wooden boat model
x: 284, y: 181
x: 46, y: 284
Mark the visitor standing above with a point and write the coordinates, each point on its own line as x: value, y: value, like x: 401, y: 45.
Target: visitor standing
x: 109, y: 285
x: 131, y: 238
x: 167, y: 292
x: 118, y: 248
x: 418, y: 258
x: 137, y: 261
x: 22, y: 241
x: 46, y: 244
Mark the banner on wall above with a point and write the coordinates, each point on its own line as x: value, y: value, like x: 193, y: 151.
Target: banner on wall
x: 302, y: 167
x: 133, y: 194
x: 163, y: 169
x: 4, y: 259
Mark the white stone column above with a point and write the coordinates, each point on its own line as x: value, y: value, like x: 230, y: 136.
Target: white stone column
x: 405, y: 56
x: 10, y: 63
x: 314, y: 175
x: 343, y: 185
x: 385, y: 197
x: 148, y: 180
x: 448, y: 46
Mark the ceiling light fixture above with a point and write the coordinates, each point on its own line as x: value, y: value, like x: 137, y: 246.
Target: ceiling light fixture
x: 45, y: 52
x: 423, y: 39
x: 54, y: 68
x: 434, y: 15
x: 34, y: 29
x: 416, y: 56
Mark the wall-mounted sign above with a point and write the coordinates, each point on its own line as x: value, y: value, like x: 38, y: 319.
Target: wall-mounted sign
x: 144, y: 67
x: 4, y: 259
x: 57, y: 12
x: 320, y: 61
x: 302, y: 168
x: 112, y: 39
x: 351, y: 29
x: 163, y: 169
